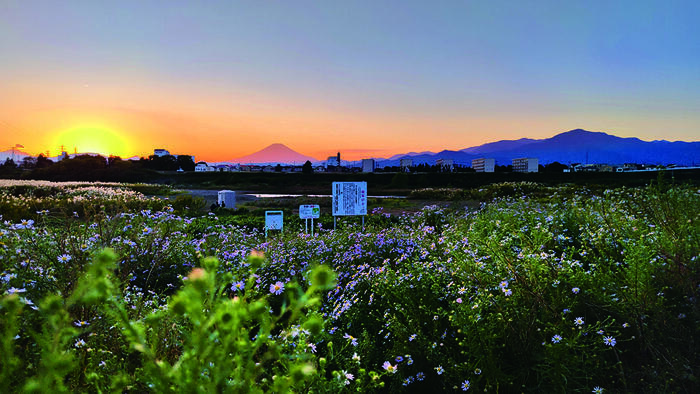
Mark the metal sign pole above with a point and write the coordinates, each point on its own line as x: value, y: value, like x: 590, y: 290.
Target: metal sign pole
x: 312, y: 227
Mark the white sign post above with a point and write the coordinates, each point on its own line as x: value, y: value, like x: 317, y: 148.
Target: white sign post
x: 307, y: 212
x: 274, y: 220
x: 349, y: 199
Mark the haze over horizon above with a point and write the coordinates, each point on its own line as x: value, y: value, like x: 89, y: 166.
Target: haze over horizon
x: 220, y: 81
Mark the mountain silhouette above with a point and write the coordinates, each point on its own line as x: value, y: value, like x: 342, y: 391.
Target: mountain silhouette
x: 275, y: 153
x: 574, y: 146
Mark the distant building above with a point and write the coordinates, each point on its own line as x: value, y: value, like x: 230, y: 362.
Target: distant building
x: 203, y: 167
x: 405, y: 164
x: 225, y: 168
x: 367, y: 165
x: 445, y: 164
x: 160, y: 152
x: 484, y: 164
x: 333, y: 161
x: 525, y: 164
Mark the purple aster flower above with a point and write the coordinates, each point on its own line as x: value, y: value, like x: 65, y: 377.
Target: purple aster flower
x: 64, y: 258
x: 352, y: 339
x: 610, y: 341
x: 277, y: 288
x: 465, y: 385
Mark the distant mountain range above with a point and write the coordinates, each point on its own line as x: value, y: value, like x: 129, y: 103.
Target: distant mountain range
x: 575, y: 146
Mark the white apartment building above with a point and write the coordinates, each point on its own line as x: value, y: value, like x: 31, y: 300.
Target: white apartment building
x: 525, y: 164
x: 484, y: 164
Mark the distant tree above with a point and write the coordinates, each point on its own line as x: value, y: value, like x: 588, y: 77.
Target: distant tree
x: 43, y: 162
x: 112, y: 160
x: 9, y: 163
x: 186, y: 162
x: 28, y: 163
x: 508, y: 168
x: 307, y: 168
x: 463, y: 168
x: 554, y: 167
x: 424, y: 167
x: 162, y: 163
x: 278, y: 168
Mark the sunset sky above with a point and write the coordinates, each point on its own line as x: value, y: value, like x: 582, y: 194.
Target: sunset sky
x: 222, y: 79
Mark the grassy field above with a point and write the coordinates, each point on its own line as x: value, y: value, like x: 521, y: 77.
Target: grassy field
x: 509, y: 287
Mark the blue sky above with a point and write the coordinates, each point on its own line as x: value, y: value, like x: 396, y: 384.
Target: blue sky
x: 259, y: 72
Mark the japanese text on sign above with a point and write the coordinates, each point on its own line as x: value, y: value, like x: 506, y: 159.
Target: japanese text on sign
x: 309, y: 211
x: 349, y: 198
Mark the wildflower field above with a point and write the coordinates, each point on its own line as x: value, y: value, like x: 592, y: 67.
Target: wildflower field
x: 538, y: 290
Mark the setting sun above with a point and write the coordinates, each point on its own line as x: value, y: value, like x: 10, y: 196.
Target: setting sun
x: 92, y: 139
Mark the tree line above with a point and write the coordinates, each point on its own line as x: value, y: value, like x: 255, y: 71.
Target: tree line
x: 92, y: 168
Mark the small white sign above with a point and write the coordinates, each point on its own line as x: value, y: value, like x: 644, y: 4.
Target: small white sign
x: 274, y: 220
x: 309, y: 211
x: 349, y: 198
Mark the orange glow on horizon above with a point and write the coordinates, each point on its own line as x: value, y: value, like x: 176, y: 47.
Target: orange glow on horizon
x: 88, y: 138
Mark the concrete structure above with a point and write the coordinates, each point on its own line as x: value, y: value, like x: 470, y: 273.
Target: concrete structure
x: 367, y: 165
x: 227, y: 199
x: 525, y: 164
x: 405, y: 164
x: 484, y: 164
x: 333, y: 161
x: 160, y: 152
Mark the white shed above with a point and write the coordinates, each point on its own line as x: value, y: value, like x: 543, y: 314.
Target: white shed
x: 227, y: 199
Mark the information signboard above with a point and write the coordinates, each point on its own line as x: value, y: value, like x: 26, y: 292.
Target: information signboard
x: 349, y: 198
x: 274, y: 220
x: 309, y: 211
